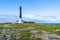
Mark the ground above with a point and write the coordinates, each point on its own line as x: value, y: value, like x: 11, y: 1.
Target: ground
x: 46, y: 27
x: 30, y: 31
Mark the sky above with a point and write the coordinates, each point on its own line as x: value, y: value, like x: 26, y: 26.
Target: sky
x: 40, y: 11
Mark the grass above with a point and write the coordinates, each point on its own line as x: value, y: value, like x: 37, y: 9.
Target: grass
x: 46, y: 27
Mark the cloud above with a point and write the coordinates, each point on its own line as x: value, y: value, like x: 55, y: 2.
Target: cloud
x: 58, y: 18
x: 8, y: 18
x: 45, y: 18
x: 32, y: 17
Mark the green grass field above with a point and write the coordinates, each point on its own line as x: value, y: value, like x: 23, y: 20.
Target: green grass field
x: 46, y: 27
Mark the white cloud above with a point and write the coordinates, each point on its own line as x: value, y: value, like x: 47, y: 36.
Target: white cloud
x: 58, y: 18
x: 3, y: 16
x: 29, y: 16
x: 49, y: 18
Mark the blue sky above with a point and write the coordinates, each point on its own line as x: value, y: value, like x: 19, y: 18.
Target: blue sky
x: 43, y: 11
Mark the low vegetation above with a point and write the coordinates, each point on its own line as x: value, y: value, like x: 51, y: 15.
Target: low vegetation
x: 46, y: 27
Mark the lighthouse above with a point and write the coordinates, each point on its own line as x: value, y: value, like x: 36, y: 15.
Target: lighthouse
x: 20, y: 15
